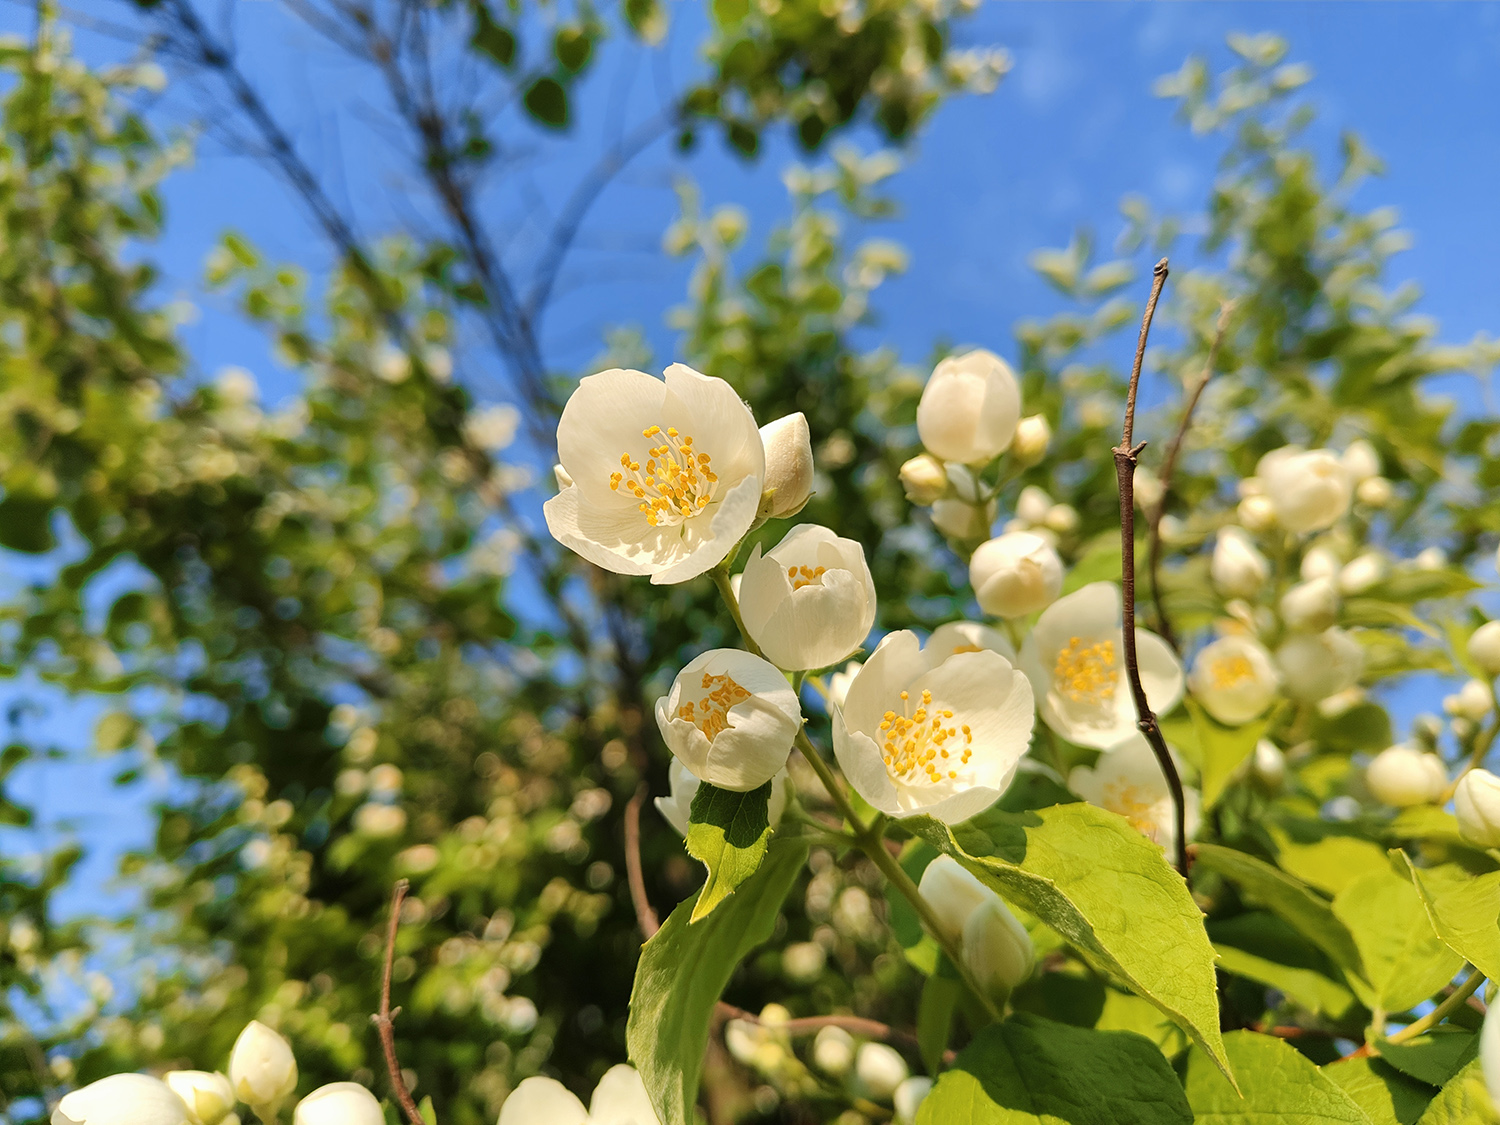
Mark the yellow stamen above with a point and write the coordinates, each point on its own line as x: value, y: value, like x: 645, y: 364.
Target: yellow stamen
x: 913, y: 744
x: 677, y: 483
x: 1086, y: 673
x: 711, y: 713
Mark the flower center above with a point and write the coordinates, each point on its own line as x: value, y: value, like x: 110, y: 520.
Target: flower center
x: 1230, y: 672
x: 676, y: 482
x: 805, y: 576
x: 1134, y: 805
x: 711, y: 713
x: 967, y: 648
x: 1086, y: 673
x: 924, y: 743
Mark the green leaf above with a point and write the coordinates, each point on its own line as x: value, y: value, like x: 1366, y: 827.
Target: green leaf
x: 1387, y: 1096
x: 1332, y: 863
x: 1279, y: 1085
x: 1222, y: 749
x: 1433, y: 1058
x: 26, y: 524
x: 492, y: 38
x: 1289, y: 899
x: 935, y: 1011
x: 547, y: 101
x: 728, y: 833
x: 1404, y: 960
x: 426, y: 1112
x: 1463, y: 1101
x: 1365, y: 726
x: 1107, y: 890
x: 1031, y: 1071
x: 573, y: 46
x: 1464, y: 909
x: 1307, y: 987
x: 683, y: 971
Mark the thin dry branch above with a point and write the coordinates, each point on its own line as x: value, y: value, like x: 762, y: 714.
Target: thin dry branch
x: 1127, y: 456
x: 645, y: 916
x: 1169, y: 466
x: 384, y: 1019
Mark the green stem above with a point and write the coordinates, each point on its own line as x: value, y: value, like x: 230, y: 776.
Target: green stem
x: 869, y: 838
x: 1482, y: 743
x: 1450, y: 1004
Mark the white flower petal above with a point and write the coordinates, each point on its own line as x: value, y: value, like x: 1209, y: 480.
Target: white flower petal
x: 602, y: 419
x: 620, y: 1099
x: 968, y: 636
x: 542, y: 1101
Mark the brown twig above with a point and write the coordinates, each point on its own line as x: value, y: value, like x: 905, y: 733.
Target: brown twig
x: 383, y: 1019
x: 645, y: 917
x: 1127, y: 456
x: 810, y: 1025
x: 1169, y: 466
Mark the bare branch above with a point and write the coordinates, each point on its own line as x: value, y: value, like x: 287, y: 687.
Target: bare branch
x: 644, y: 915
x: 384, y: 1019
x: 1127, y: 456
x: 810, y: 1025
x: 1169, y: 466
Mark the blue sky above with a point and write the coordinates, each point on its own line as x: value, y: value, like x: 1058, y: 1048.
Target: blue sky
x: 1072, y: 129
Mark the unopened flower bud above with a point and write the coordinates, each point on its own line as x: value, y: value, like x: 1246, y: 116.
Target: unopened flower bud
x: 1361, y: 460
x: 1427, y: 728
x: 1476, y: 803
x: 1431, y: 558
x: 833, y: 1051
x: 339, y: 1103
x: 1473, y: 701
x: 953, y: 892
x: 1033, y: 435
x: 1033, y: 505
x: 1311, y: 606
x: 1321, y: 562
x: 1376, y: 492
x: 908, y: 1098
x: 1484, y: 648
x: 996, y: 947
x: 1317, y: 666
x: 208, y: 1095
x: 1268, y: 764
x: 1402, y: 777
x: 1061, y: 518
x: 122, y: 1099
x: 1256, y: 513
x: 969, y: 408
x: 1310, y: 489
x: 1363, y: 573
x: 1015, y: 574
x: 924, y: 480
x: 742, y: 1039
x: 1147, y: 488
x: 262, y: 1069
x: 789, y: 466
x: 961, y: 520
x: 1237, y: 568
x: 879, y: 1069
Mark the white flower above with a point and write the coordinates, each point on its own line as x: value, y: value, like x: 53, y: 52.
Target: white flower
x: 1256, y: 513
x: 208, y: 1095
x: 1476, y: 803
x: 1312, y: 605
x: 122, y: 1099
x: 676, y: 808
x: 1376, y: 492
x: 1361, y: 461
x: 960, y: 519
x: 810, y: 601
x: 1129, y: 781
x: 1362, y: 573
x: 1147, y: 489
x: 833, y: 1051
x: 1234, y: 679
x: 969, y: 408
x: 1473, y: 701
x: 995, y: 947
x: 1061, y: 518
x: 1320, y: 562
x: 909, y: 1097
x: 730, y: 718
x: 262, y: 1068
x: 1310, y: 489
x: 1237, y: 568
x: 1401, y: 776
x: 953, y: 892
x: 789, y: 465
x: 1015, y: 574
x: 1489, y: 1051
x: 1268, y: 764
x: 619, y: 1099
x: 339, y: 1103
x: 879, y: 1069
x: 838, y: 683
x: 374, y: 818
x: 667, y: 476
x: 924, y: 479
x: 967, y: 636
x: 931, y: 731
x: 1075, y: 660
x: 1033, y: 435
x: 1315, y: 666
x: 1033, y: 505
x: 1484, y: 648
x: 1431, y: 558
x: 492, y: 428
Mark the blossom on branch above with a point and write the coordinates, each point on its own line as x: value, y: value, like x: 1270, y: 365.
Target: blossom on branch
x: 810, y: 601
x: 1128, y: 781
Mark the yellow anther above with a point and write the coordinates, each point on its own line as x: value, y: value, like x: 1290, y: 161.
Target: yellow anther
x: 676, y: 484
x: 1230, y: 671
x: 1086, y: 673
x: 711, y: 713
